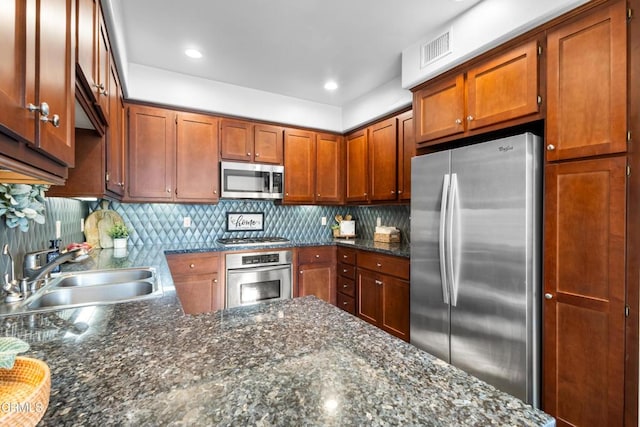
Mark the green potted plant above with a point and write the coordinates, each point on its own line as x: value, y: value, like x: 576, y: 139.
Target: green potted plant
x: 119, y: 233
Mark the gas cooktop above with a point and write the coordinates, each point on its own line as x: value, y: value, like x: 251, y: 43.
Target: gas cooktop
x: 252, y: 241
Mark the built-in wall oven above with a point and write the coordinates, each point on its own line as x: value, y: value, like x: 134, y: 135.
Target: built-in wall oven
x: 258, y: 277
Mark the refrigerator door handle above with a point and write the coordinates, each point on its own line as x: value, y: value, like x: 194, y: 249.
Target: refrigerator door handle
x: 452, y: 245
x: 442, y: 240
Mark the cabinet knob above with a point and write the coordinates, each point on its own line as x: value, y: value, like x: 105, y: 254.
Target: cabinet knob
x: 458, y: 121
x: 215, y: 280
x: 344, y: 256
x: 257, y: 154
x: 551, y: 147
x: 344, y: 270
x: 399, y: 191
x: 168, y: 190
x: 548, y: 296
x: 469, y: 118
x: 318, y: 194
x: 393, y: 192
x: 43, y: 108
x: 55, y: 120
x: 248, y: 154
x: 365, y: 194
x: 192, y: 265
x: 317, y: 256
x: 345, y: 286
x: 345, y: 303
x: 378, y: 265
x: 378, y: 282
x: 101, y: 89
x: 215, y: 191
x: 301, y: 272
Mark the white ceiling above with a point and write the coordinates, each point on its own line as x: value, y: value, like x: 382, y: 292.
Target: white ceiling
x: 288, y: 47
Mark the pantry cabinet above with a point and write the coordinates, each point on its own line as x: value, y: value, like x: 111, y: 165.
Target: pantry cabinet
x: 183, y: 148
x: 382, y: 290
x: 317, y: 272
x: 195, y: 277
x: 36, y: 85
x: 497, y: 90
x: 248, y: 142
x: 587, y: 94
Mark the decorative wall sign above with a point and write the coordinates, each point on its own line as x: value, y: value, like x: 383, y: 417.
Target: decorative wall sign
x: 245, y: 221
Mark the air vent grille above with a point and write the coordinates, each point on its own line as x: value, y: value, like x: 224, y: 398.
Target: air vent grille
x: 435, y: 49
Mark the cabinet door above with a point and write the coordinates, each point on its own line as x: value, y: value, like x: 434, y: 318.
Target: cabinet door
x: 383, y: 160
x: 17, y: 69
x: 115, y: 139
x: 503, y: 88
x: 197, y: 293
x: 395, y: 307
x: 236, y: 140
x: 197, y: 158
x: 368, y: 292
x: 329, y: 167
x: 56, y: 77
x: 586, y: 94
x: 357, y: 180
x: 583, y: 334
x: 318, y: 280
x: 299, y: 166
x: 268, y: 144
x: 102, y: 89
x: 152, y: 141
x: 86, y: 43
x: 406, y: 151
x: 439, y: 109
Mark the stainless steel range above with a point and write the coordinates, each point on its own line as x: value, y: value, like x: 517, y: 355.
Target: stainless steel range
x: 252, y: 241
x: 258, y: 277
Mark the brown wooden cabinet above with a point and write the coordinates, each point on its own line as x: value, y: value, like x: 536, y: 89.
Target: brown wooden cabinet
x: 183, y: 149
x: 329, y: 167
x: 317, y: 273
x: 498, y: 90
x: 357, y: 166
x: 383, y: 160
x: 584, y: 285
x: 382, y: 290
x: 586, y: 93
x: 38, y: 54
x: 247, y: 142
x: 299, y: 165
x: 195, y: 277
x: 406, y: 151
x: 346, y: 280
x: 197, y: 176
x: 115, y: 155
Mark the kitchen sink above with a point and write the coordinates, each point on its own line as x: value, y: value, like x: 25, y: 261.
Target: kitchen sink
x: 71, y: 290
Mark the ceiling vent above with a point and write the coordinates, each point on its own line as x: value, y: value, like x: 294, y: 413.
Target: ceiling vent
x: 435, y: 49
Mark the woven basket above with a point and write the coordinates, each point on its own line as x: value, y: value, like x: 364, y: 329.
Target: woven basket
x: 24, y: 392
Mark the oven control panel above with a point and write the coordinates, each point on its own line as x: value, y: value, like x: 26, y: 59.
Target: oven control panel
x: 238, y: 260
x: 261, y: 259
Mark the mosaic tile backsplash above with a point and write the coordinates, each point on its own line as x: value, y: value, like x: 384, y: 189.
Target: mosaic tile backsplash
x: 159, y: 223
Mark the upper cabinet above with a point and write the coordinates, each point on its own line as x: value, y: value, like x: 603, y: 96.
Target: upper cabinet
x: 329, y: 167
x: 406, y: 150
x: 183, y: 149
x: 586, y: 94
x: 383, y: 158
x: 37, y: 78
x: 501, y: 90
x: 247, y: 142
x: 357, y: 159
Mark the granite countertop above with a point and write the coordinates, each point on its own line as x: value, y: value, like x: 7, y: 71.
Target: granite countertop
x: 293, y: 362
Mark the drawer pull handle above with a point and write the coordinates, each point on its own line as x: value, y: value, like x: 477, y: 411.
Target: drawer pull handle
x: 192, y: 265
x: 378, y: 264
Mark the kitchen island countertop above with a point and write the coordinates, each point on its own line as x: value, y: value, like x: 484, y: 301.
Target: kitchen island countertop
x: 294, y: 362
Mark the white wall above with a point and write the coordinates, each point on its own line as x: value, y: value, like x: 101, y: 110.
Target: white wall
x: 165, y: 87
x: 383, y: 100
x: 483, y: 27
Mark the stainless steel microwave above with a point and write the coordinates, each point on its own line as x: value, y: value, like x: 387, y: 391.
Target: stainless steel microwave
x: 251, y: 180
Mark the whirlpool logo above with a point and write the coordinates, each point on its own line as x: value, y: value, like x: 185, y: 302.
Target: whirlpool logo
x: 505, y: 148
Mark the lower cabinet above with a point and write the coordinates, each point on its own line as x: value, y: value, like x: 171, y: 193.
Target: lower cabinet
x: 317, y: 273
x: 346, y: 286
x: 195, y: 277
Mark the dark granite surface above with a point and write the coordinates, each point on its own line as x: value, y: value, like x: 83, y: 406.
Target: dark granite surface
x: 295, y: 362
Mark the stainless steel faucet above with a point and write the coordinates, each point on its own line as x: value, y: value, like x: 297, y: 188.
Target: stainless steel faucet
x: 34, y: 273
x: 10, y: 285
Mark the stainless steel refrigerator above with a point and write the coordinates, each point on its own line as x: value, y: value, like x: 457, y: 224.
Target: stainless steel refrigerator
x: 476, y: 260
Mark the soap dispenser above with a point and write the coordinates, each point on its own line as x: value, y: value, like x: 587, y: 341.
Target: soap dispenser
x: 55, y: 253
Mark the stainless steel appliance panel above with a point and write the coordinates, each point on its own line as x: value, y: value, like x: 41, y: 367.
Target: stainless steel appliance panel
x: 253, y: 285
x: 429, y: 312
x: 251, y: 180
x: 492, y: 310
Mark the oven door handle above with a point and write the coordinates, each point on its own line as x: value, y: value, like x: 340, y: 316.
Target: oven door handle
x: 245, y: 270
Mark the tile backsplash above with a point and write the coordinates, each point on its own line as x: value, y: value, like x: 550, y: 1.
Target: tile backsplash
x: 158, y: 223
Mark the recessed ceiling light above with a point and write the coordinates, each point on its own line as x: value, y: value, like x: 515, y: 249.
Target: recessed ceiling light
x: 193, y: 53
x: 331, y: 85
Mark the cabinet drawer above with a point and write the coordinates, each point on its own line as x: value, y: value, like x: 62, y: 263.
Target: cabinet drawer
x: 189, y: 264
x: 347, y: 303
x: 347, y: 286
x: 392, y: 265
x: 347, y: 256
x: 346, y: 270
x: 316, y: 254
